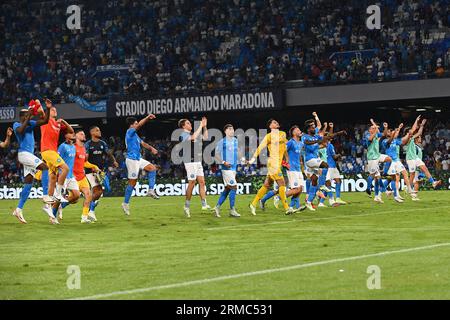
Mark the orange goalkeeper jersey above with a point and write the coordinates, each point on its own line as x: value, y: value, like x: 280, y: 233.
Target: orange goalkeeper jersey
x: 50, y: 135
x: 80, y: 159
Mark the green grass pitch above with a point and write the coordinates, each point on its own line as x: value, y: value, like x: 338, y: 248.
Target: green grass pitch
x: 157, y: 253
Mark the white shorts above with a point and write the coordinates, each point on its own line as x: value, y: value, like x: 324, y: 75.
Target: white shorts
x: 309, y: 172
x: 134, y: 166
x: 193, y: 170
x: 314, y: 163
x: 295, y: 179
x: 374, y: 165
x: 71, y: 184
x: 413, y: 165
x: 396, y: 168
x: 333, y: 173
x: 30, y: 163
x: 93, y: 180
x: 229, y: 178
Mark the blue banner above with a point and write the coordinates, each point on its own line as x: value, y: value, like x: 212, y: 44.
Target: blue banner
x: 100, y: 106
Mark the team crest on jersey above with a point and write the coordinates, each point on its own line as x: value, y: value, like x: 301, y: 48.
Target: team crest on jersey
x: 133, y: 175
x: 295, y: 184
x: 58, y: 160
x: 231, y: 181
x: 192, y: 176
x: 36, y: 160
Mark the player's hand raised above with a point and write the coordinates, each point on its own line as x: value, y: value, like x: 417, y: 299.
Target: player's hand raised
x: 9, y: 132
x: 151, y: 116
x: 314, y: 114
x: 154, y: 152
x: 331, y: 125
x: 48, y: 103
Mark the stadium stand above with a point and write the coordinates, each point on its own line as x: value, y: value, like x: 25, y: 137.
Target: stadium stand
x: 161, y: 47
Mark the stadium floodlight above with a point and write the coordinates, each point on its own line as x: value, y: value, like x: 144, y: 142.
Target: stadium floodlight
x: 421, y: 110
x: 438, y: 110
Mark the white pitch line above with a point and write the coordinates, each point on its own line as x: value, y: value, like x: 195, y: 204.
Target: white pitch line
x: 256, y: 273
x: 318, y: 219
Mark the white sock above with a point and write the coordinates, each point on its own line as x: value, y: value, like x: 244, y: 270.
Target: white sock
x: 58, y: 189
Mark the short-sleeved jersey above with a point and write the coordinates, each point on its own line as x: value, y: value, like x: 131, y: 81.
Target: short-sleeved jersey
x: 68, y: 153
x: 311, y: 150
x: 227, y: 149
x: 373, y: 147
x: 331, y: 152
x: 96, y: 150
x: 294, y: 149
x: 50, y: 135
x: 133, y: 143
x: 80, y: 159
x: 393, y: 148
x: 26, y: 139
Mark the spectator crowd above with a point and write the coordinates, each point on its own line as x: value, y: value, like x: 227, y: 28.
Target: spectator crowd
x: 175, y: 46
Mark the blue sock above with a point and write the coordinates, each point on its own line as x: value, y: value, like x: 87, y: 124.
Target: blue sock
x: 431, y: 180
x: 24, y: 195
x: 223, y: 197
x: 92, y: 206
x: 64, y: 204
x: 381, y: 185
x: 312, y: 193
x: 386, y: 168
x: 151, y: 179
x: 322, y: 200
x: 377, y: 188
x: 268, y: 195
x: 232, y: 198
x: 386, y: 183
x: 55, y: 211
x: 338, y: 189
x: 293, y: 203
x: 308, y: 185
x: 393, y: 187
x: 369, y: 183
x: 44, y: 182
x: 128, y: 192
x: 322, y: 178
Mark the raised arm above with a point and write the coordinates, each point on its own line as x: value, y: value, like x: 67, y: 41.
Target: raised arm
x: 5, y: 144
x: 45, y: 116
x: 205, y: 129
x: 316, y: 117
x: 385, y: 129
x: 420, y: 131
x: 144, y: 121
x: 415, y: 125
x: 331, y: 126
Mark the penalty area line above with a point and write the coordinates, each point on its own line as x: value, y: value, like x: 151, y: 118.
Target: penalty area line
x: 256, y: 273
